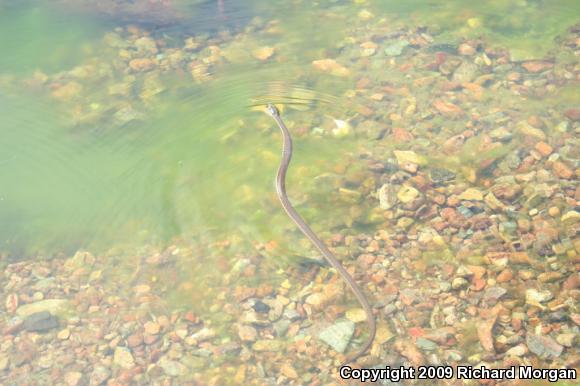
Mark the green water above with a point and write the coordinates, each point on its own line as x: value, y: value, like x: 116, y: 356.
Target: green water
x: 171, y: 158
x: 97, y: 154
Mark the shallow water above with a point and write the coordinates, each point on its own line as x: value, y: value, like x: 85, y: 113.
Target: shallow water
x: 99, y: 153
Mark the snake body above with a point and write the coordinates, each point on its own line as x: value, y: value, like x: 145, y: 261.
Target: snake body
x: 307, y: 231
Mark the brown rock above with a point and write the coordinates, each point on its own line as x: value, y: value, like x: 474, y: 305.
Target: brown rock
x: 331, y: 66
x: 408, y: 349
x: 505, y: 276
x: 448, y: 108
x: 573, y: 114
x: 562, y: 170
x: 402, y: 135
x: 141, y: 64
x: 543, y: 148
x: 288, y: 371
x: 152, y: 328
x: 454, y: 143
x: 537, y: 66
x: 11, y: 303
x: 263, y: 53
x: 549, y: 277
x: 520, y: 258
x: 247, y: 333
x: 572, y: 282
x: 466, y: 49
x: 514, y: 76
x: 150, y: 339
x: 485, y: 334
x: 135, y: 340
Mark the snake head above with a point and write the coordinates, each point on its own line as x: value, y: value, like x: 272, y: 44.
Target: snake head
x: 273, y: 110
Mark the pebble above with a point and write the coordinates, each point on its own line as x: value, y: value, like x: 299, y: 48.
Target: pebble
x: 562, y: 170
x: 407, y: 156
x: 172, y: 368
x: 356, y: 315
x: 543, y: 148
x: 466, y: 72
x: 73, y: 378
x: 459, y: 283
x: 40, y: 322
x: 63, y: 334
x: 387, y: 196
x: 152, y: 328
x: 141, y: 64
x: 53, y: 306
x: 338, y: 335
x: 4, y: 362
x: 544, y: 346
x: 566, y: 340
x: 99, y: 376
x: 426, y: 344
x: 465, y: 49
x: 289, y: 371
x: 407, y: 194
x: 517, y: 351
x: 263, y: 53
x: 268, y: 345
x: 494, y: 294
x: 535, y: 297
x: 471, y: 194
x: 439, y: 175
x: 123, y: 357
x: 537, y: 66
x: 331, y: 66
x: 396, y: 48
x: 485, y: 334
x: 247, y: 333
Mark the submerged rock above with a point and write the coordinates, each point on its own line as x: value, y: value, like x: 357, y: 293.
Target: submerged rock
x: 396, y: 48
x: 439, y: 175
x: 40, y: 322
x: 338, y: 335
x: 544, y: 346
x: 53, y: 306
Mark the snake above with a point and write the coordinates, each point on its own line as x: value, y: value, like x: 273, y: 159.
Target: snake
x: 314, y: 239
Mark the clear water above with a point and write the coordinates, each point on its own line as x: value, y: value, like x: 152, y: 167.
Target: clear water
x: 179, y: 160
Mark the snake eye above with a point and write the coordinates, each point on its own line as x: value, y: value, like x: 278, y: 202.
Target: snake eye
x: 272, y: 109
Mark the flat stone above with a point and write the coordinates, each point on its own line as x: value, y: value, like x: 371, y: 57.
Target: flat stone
x: 466, y: 72
x: 356, y: 315
x: 494, y: 293
x: 407, y: 194
x: 426, y: 344
x: 99, y: 376
x: 408, y: 156
x: 396, y: 48
x: 387, y: 197
x: 172, y: 368
x: 471, y: 194
x: 544, y: 346
x: 268, y: 345
x: 247, y: 333
x: 63, y: 334
x: 4, y: 362
x: 54, y: 306
x: 517, y: 351
x: 440, y: 175
x: 40, y: 322
x: 566, y: 340
x: 151, y: 328
x: 535, y: 297
x: 338, y: 335
x: 73, y: 378
x: 123, y: 358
